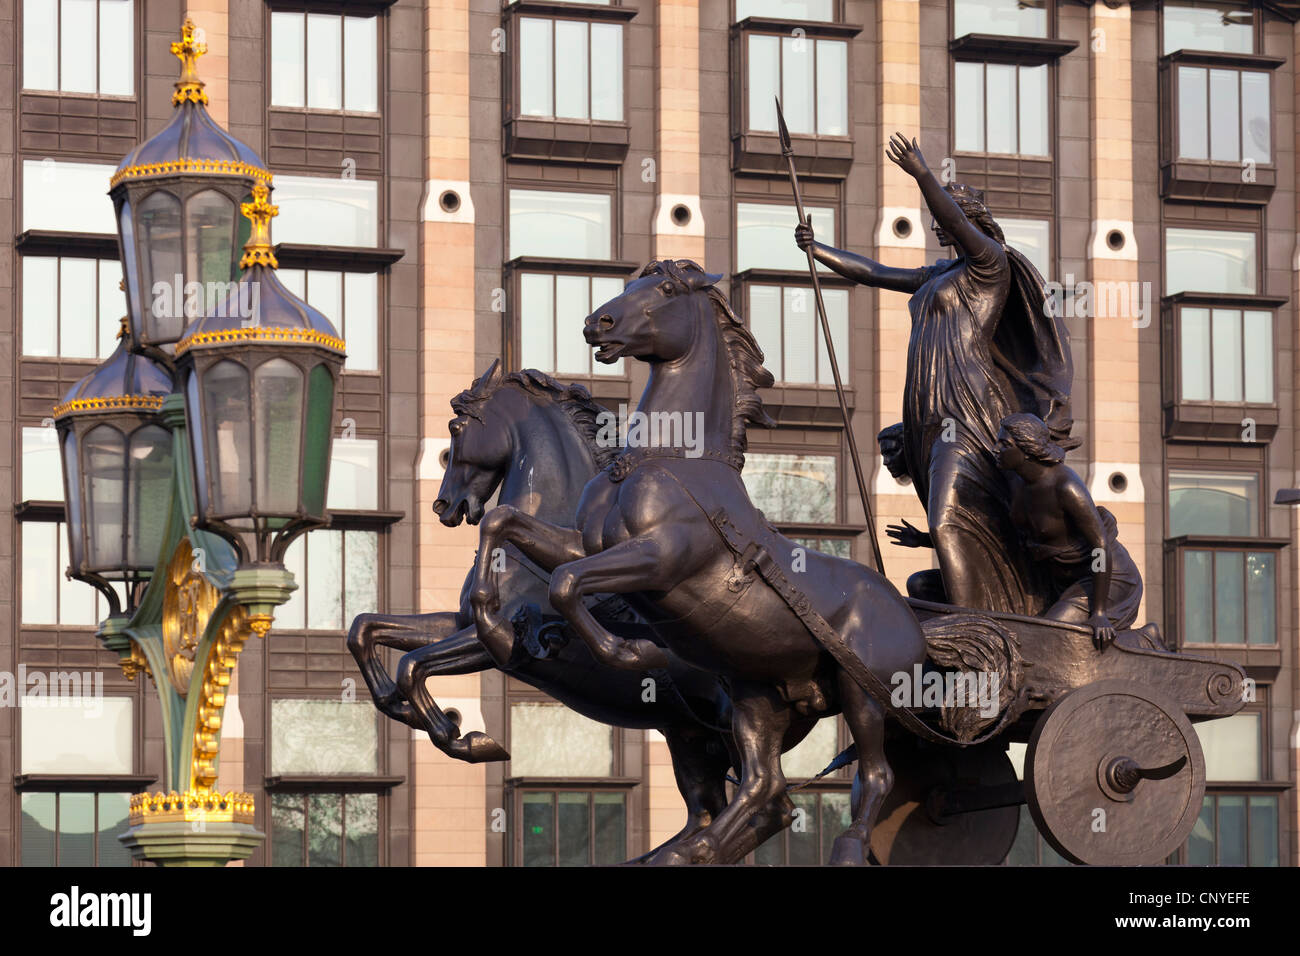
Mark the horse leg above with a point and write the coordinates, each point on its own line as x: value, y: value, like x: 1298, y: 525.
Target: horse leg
x: 700, y: 764
x: 405, y: 633
x: 866, y: 720
x: 759, y: 722
x: 459, y: 654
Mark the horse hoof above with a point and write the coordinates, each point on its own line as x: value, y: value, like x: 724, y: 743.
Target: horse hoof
x: 641, y: 655
x: 478, y: 747
x: 848, y: 851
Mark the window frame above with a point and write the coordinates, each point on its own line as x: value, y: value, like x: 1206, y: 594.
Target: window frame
x: 357, y: 9
x: 575, y: 186
x: 1257, y: 28
x: 137, y: 67
x: 60, y: 784
x: 1019, y: 63
x: 517, y: 787
x: 810, y: 529
x: 1261, y: 254
x: 345, y: 522
x: 742, y: 286
x: 812, y: 203
x: 1049, y: 28
x: 303, y: 787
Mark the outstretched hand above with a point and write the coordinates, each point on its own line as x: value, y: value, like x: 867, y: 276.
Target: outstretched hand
x: 906, y: 536
x: 907, y: 156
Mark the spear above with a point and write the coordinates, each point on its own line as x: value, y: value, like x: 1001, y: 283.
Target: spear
x: 788, y: 152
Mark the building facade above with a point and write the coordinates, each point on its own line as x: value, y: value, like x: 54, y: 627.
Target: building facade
x: 461, y: 181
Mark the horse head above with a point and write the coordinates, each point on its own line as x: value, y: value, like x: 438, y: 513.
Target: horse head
x: 656, y: 317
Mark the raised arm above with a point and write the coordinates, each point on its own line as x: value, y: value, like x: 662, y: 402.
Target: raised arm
x: 1083, y: 514
x: 970, y: 239
x: 859, y: 268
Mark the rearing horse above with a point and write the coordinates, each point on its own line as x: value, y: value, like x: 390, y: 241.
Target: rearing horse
x: 672, y: 528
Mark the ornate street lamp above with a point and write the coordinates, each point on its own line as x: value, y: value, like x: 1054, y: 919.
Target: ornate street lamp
x: 177, y: 198
x: 259, y: 395
x: 117, y: 467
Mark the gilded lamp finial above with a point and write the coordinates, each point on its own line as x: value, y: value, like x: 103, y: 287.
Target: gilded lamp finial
x: 188, y: 50
x: 257, y: 251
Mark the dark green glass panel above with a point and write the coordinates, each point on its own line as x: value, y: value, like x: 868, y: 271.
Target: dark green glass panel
x: 1261, y: 600
x: 316, y: 440
x: 38, y: 828
x: 835, y: 820
x: 1200, y: 845
x: 610, y: 817
x: 325, y: 829
x: 77, y: 829
x: 1229, y: 597
x: 361, y: 827
x: 1263, y: 831
x: 113, y: 811
x: 288, y: 829
x: 574, y: 819
x: 1024, y: 851
x: 1198, y: 597
x: 803, y: 840
x: 1232, y: 831
x: 539, y: 829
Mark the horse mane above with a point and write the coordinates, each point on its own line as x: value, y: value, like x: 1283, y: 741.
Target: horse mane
x: 745, y: 356
x: 574, y: 400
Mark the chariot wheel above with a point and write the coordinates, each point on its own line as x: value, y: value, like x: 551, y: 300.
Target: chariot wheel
x: 1114, y: 775
x: 949, y: 806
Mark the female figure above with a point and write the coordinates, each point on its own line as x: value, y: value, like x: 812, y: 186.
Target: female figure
x: 985, y: 343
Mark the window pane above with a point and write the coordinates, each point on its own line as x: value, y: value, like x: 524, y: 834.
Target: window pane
x: 607, y: 66
x: 361, y: 829
x: 572, y: 305
x: 537, y: 321
x: 549, y: 740
x: 1000, y: 82
x: 288, y: 829
x: 792, y: 487
x: 1226, y: 27
x: 40, y: 305
x: 68, y: 197
x: 354, y: 475
x: 38, y: 828
x: 837, y: 316
x: 836, y: 818
x: 765, y: 235
x: 1033, y: 110
x: 325, y: 568
x: 113, y: 812
x: 968, y: 95
x: 571, y: 81
x: 112, y: 305
x: 1200, y: 845
x: 77, y: 600
x: 610, y: 813
x: 1209, y: 260
x: 1232, y: 831
x: 79, y: 734
x: 360, y: 573
x: 536, y: 69
x: 797, y: 83
x: 542, y: 221
x: 40, y: 37
x: 764, y: 80
x: 1232, y: 747
x: 1255, y: 134
x: 1025, y: 18
x: 1263, y: 831
x: 798, y: 341
x: 78, y: 308
x: 78, y: 47
x: 1198, y: 597
x: 361, y: 320
x: 604, y: 288
x: 765, y: 323
x: 288, y: 70
x: 42, y: 478
x: 327, y: 212
x: 813, y: 753
x: 786, y: 9
x: 324, y: 829
x: 361, y: 64
x: 1225, y: 325
x: 1225, y: 116
x: 1224, y: 503
x: 1261, y: 600
x: 538, y: 829
x: 832, y: 88
x: 324, y: 61
x: 323, y: 737
x: 1193, y: 112
x: 1194, y: 336
x: 40, y: 572
x: 1033, y: 238
x: 1229, y: 610
x: 116, y: 47
x: 325, y: 292
x: 803, y: 840
x: 574, y: 829
x: 1257, y: 341
x: 77, y: 829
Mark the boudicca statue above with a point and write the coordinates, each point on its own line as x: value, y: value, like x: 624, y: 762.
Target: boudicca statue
x: 650, y: 561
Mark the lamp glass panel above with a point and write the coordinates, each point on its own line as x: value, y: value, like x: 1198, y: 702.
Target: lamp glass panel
x: 316, y: 439
x: 151, y: 473
x: 104, y: 451
x: 72, y: 478
x: 228, y: 436
x: 277, y: 410
x: 211, y: 259
x: 158, y: 225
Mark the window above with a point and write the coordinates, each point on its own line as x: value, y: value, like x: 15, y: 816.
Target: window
x: 348, y: 299
x: 765, y: 235
x: 1220, y: 27
x: 786, y: 9
x: 552, y: 309
x: 1000, y: 108
x: 79, y: 46
x: 784, y: 320
x: 1233, y: 746
x: 1225, y: 355
x: 42, y: 478
x: 327, y: 212
x: 570, y: 69
x: 572, y: 827
x: 820, y: 817
x: 1213, y: 503
x: 1235, y: 830
x: 77, y: 735
x: 323, y: 737
x: 50, y: 598
x: 338, y: 578
x: 549, y: 740
x: 809, y: 75
x: 1033, y: 238
x: 67, y: 197
x: 323, y: 61
x: 574, y: 225
x: 1001, y: 17
x: 71, y: 308
x: 324, y: 829
x: 354, y: 475
x: 1223, y: 115
x: 74, y: 828
x: 793, y: 488
x: 836, y: 547
x: 1210, y: 260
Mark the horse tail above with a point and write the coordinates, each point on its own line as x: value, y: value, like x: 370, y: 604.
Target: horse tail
x: 976, y: 646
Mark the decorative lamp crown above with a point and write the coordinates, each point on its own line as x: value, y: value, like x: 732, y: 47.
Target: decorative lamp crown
x: 258, y: 251
x: 188, y: 50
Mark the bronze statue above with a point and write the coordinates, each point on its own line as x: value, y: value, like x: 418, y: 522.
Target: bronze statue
x: 984, y: 344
